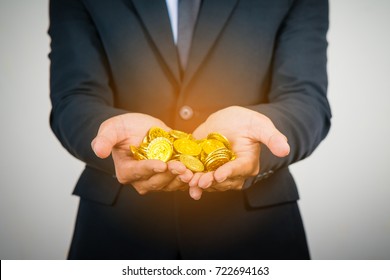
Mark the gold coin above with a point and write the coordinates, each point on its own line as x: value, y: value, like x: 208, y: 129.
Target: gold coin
x: 215, y: 164
x: 139, y: 156
x: 175, y: 157
x: 133, y: 149
x: 187, y: 147
x: 192, y: 163
x: 197, y: 155
x: 211, y: 145
x: 202, y: 156
x: 221, y: 153
x: 217, y: 158
x: 143, y: 148
x: 145, y: 140
x: 177, y: 134
x: 160, y: 148
x: 156, y: 132
x: 220, y: 138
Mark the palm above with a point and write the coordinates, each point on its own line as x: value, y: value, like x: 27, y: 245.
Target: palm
x: 117, y: 134
x: 245, y: 129
x: 235, y: 124
x: 132, y: 128
x: 242, y: 144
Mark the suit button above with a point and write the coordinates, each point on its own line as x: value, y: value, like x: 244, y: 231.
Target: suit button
x: 263, y: 176
x: 186, y: 112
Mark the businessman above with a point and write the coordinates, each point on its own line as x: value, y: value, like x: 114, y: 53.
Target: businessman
x: 254, y: 71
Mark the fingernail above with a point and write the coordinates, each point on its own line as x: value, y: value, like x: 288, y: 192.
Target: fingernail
x: 183, y: 180
x: 220, y: 180
x: 93, y: 144
x: 207, y: 186
x: 158, y: 170
x: 194, y: 195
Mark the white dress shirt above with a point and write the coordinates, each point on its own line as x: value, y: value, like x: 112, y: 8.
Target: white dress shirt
x: 172, y: 6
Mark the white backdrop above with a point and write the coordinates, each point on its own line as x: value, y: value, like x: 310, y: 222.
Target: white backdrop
x: 344, y: 185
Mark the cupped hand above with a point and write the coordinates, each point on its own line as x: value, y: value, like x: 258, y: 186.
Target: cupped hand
x: 245, y: 129
x: 115, y: 136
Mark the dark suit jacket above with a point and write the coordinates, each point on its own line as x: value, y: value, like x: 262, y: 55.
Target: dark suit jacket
x: 118, y: 56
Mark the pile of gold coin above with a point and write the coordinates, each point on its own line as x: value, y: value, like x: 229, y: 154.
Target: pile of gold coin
x: 197, y: 155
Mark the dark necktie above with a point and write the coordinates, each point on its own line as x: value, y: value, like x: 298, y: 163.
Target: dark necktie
x: 188, y: 12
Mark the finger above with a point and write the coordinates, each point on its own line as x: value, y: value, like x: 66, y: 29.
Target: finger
x: 156, y: 182
x: 271, y: 137
x: 102, y: 146
x: 106, y: 139
x: 195, y: 193
x: 229, y: 184
x: 176, y: 167
x: 238, y: 168
x: 180, y: 182
x: 133, y: 170
x: 278, y: 145
x: 186, y: 176
x: 206, y: 180
x: 195, y: 179
x: 175, y: 185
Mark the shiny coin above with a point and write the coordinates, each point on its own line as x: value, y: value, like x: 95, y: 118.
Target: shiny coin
x: 187, y: 147
x: 175, y: 157
x: 143, y: 148
x: 177, y: 134
x: 145, y: 140
x: 220, y: 153
x: 197, y: 155
x: 133, y: 149
x: 220, y: 138
x: 160, y: 148
x: 139, y: 156
x: 215, y: 164
x: 156, y: 132
x: 192, y: 163
x: 211, y: 145
x: 217, y: 158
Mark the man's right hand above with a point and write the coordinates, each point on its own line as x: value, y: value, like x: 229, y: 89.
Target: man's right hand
x: 115, y: 136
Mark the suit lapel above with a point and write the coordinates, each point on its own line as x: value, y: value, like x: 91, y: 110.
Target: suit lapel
x: 213, y: 15
x: 212, y: 18
x: 154, y: 15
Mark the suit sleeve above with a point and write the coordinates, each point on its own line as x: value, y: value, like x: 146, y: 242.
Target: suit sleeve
x: 297, y: 101
x: 80, y: 80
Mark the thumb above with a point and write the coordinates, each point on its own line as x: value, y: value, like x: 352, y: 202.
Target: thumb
x: 105, y: 140
x: 278, y: 145
x: 272, y: 138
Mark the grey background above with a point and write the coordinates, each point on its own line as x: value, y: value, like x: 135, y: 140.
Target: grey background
x: 344, y: 185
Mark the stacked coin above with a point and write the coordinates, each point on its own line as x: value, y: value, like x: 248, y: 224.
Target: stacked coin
x: 197, y: 155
